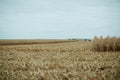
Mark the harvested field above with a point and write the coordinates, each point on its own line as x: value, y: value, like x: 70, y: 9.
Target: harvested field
x: 64, y: 60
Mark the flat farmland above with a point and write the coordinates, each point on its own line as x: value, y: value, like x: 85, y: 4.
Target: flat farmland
x: 56, y: 60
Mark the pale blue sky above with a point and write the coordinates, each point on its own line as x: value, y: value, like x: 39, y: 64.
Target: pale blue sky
x: 36, y: 19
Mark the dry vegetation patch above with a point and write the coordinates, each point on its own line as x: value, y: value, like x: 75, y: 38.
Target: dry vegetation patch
x: 106, y: 44
x: 63, y: 61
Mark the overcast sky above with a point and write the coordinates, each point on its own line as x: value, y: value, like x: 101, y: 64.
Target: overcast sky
x: 42, y: 19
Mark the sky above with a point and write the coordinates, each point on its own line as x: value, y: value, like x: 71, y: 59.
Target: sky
x: 59, y: 19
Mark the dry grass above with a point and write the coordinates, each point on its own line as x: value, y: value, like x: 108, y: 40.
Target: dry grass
x: 106, y: 44
x: 58, y: 61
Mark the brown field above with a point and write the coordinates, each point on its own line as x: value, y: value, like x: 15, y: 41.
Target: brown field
x: 32, y: 41
x: 56, y: 60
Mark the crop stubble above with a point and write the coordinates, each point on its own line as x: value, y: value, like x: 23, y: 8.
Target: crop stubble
x: 58, y: 61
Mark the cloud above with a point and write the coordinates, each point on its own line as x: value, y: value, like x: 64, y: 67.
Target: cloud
x: 64, y: 18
